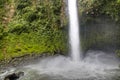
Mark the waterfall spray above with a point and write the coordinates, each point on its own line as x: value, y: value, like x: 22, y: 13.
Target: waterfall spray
x: 74, y: 38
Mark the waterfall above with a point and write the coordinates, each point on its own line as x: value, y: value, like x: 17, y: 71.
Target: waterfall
x: 74, y: 38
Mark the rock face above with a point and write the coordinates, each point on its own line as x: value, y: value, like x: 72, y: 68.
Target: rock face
x: 100, y: 27
x: 14, y: 76
x: 100, y: 33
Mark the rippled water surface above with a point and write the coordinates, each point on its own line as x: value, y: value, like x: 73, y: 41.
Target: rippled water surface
x: 96, y: 65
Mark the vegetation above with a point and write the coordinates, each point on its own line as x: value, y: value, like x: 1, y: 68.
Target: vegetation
x: 101, y: 7
x: 35, y: 27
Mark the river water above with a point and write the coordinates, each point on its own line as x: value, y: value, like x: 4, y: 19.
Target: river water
x: 96, y: 65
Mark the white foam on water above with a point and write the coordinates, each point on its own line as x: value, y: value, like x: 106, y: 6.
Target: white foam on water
x: 97, y: 65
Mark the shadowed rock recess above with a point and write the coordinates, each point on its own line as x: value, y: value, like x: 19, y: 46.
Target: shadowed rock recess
x: 100, y: 24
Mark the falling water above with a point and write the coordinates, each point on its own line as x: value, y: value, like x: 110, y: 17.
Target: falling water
x: 96, y: 65
x: 74, y: 30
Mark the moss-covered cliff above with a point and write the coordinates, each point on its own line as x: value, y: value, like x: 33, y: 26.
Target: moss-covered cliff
x: 37, y: 26
x: 31, y: 26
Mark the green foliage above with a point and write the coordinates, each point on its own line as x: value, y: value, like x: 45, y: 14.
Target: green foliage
x: 21, y: 4
x: 112, y: 9
x: 19, y: 26
x: 29, y: 43
x: 101, y: 7
x: 1, y: 32
x: 2, y: 3
x: 35, y: 28
x: 118, y: 1
x: 1, y: 36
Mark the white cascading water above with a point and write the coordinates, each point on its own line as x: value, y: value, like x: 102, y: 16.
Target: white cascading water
x: 74, y: 30
x: 96, y: 65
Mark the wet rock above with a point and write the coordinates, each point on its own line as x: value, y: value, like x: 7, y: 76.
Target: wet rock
x: 14, y: 76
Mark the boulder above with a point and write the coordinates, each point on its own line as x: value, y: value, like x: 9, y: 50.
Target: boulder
x: 14, y: 76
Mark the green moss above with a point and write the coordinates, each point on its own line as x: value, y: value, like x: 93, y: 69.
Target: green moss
x: 18, y: 45
x: 101, y: 7
x: 35, y: 28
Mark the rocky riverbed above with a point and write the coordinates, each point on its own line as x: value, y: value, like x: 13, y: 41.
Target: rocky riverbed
x: 8, y: 67
x: 96, y: 65
x: 22, y: 60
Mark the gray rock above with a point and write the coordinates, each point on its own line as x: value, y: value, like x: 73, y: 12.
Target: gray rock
x: 14, y: 76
